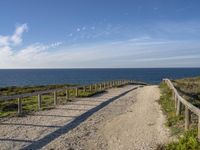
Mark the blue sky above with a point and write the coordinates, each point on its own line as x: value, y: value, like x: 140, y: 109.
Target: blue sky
x: 99, y: 33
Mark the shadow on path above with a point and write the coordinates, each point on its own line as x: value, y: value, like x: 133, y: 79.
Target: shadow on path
x: 53, y: 115
x: 29, y: 125
x: 71, y: 125
x: 17, y: 140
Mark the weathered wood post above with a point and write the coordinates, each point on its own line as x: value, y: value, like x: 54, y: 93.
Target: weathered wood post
x: 19, y: 106
x: 199, y: 128
x: 67, y: 94
x: 76, y: 92
x: 175, y: 101
x: 84, y: 89
x: 173, y: 95
x: 90, y: 88
x: 104, y: 85
x: 96, y: 87
x: 55, y: 97
x: 178, y: 109
x: 187, y: 118
x: 39, y: 102
x: 100, y: 86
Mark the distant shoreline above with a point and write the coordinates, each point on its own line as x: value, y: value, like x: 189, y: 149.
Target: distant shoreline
x: 37, y: 77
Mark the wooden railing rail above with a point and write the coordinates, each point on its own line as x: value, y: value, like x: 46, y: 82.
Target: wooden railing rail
x: 188, y: 107
x: 92, y: 88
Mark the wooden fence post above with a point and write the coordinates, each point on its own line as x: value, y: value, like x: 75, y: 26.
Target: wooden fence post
x: 19, y: 106
x: 100, y: 86
x: 39, y: 102
x: 96, y: 87
x: 175, y: 101
x: 55, y: 97
x: 178, y: 109
x: 76, y: 92
x: 187, y: 118
x: 67, y: 94
x: 199, y: 128
x: 84, y: 89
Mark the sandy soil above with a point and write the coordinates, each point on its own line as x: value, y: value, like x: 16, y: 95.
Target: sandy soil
x: 141, y: 127
x: 132, y: 122
x: 122, y: 119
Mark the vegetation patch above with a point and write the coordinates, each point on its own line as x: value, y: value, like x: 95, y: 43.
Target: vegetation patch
x: 185, y: 140
x: 168, y: 106
x: 7, y: 91
x: 90, y: 94
x: 189, y: 88
x: 30, y: 104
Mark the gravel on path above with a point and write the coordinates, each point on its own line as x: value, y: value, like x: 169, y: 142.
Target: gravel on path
x: 132, y: 122
x: 44, y: 129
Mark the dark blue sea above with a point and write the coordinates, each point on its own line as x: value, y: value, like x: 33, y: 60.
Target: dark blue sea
x: 29, y: 77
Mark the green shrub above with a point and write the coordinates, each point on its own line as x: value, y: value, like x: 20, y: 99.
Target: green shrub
x: 188, y: 141
x: 168, y: 106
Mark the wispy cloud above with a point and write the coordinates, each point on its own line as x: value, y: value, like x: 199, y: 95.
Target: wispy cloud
x: 136, y: 51
x: 12, y: 57
x: 14, y: 39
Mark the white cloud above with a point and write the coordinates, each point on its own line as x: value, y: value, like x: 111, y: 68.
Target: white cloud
x: 141, y: 51
x: 11, y: 57
x: 78, y: 29
x: 121, y: 54
x: 4, y: 40
x: 16, y: 38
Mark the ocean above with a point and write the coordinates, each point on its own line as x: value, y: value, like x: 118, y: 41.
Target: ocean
x: 30, y: 77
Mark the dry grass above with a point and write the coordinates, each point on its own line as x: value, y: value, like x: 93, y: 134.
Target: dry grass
x: 189, y: 88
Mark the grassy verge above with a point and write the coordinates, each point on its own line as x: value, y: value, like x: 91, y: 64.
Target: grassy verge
x: 189, y: 88
x: 29, y: 89
x: 30, y: 104
x: 185, y: 140
x: 89, y: 94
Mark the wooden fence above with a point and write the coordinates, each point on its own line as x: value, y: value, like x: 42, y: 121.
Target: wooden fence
x: 92, y: 88
x: 188, y: 107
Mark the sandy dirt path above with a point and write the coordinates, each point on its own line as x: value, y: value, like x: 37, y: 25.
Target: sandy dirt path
x: 142, y: 127
x: 41, y: 129
x: 132, y: 122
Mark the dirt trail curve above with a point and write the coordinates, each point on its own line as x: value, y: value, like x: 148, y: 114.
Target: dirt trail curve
x: 132, y: 120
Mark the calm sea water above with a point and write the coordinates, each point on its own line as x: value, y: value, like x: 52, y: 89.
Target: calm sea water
x: 23, y: 77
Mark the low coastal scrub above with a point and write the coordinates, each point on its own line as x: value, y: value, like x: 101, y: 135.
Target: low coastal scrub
x: 188, y: 141
x: 13, y: 90
x: 30, y: 104
x: 168, y: 106
x: 185, y: 140
x: 189, y: 88
x: 90, y: 94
